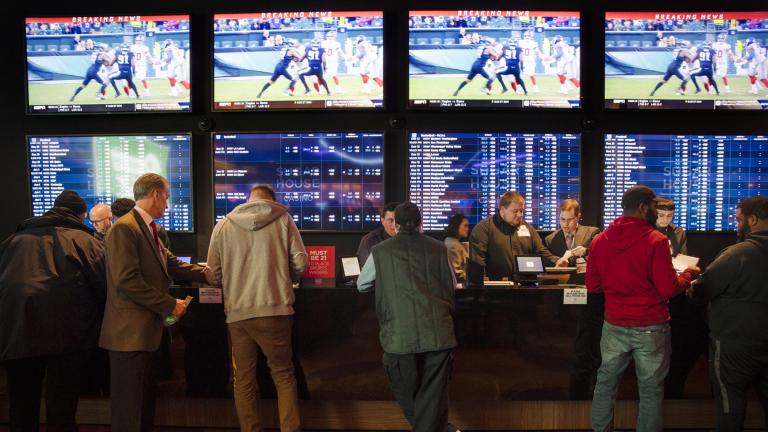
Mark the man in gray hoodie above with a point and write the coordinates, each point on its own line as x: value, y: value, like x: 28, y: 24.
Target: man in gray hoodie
x: 257, y: 254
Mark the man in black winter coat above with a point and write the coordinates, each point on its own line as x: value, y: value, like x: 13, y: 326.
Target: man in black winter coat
x: 52, y: 293
x: 735, y: 285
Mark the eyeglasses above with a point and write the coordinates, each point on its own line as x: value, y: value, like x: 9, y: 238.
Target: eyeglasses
x: 100, y: 220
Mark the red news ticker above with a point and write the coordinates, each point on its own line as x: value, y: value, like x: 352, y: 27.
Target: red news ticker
x: 493, y: 13
x: 106, y: 19
x: 299, y: 14
x: 695, y: 16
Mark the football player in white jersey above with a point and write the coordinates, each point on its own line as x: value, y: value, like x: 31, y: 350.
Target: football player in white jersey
x: 723, y: 53
x: 333, y: 55
x: 173, y: 58
x: 565, y: 56
x: 141, y: 57
x: 528, y: 58
x: 757, y: 68
x: 367, y: 56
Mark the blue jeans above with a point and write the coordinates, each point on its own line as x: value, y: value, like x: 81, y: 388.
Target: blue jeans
x: 650, y: 348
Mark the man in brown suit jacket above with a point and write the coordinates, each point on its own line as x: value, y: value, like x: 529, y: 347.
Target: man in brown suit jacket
x: 139, y: 272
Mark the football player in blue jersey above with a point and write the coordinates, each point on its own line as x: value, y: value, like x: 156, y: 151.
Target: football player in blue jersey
x: 484, y: 54
x: 288, y: 53
x: 705, y: 57
x: 682, y: 54
x: 315, y: 57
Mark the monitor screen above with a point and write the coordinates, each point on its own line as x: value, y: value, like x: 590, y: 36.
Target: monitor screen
x: 99, y: 64
x: 529, y: 264
x: 328, y: 181
x: 494, y: 59
x: 705, y: 175
x: 104, y: 168
x: 686, y: 60
x: 468, y: 172
x: 298, y: 60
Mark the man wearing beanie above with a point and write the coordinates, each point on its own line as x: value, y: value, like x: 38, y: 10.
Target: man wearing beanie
x: 631, y: 264
x: 415, y: 312
x: 52, y: 291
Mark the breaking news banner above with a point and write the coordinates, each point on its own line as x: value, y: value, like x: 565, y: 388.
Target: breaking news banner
x: 298, y: 60
x: 96, y: 64
x: 494, y: 59
x: 686, y: 60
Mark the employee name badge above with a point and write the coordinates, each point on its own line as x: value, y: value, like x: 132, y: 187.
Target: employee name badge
x: 210, y: 295
x: 575, y: 296
x: 522, y: 231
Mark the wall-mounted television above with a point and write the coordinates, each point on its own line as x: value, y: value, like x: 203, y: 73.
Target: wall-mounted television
x: 686, y: 60
x: 330, y: 181
x: 705, y: 175
x: 468, y: 172
x: 494, y: 59
x: 298, y: 60
x: 102, y: 168
x: 98, y: 64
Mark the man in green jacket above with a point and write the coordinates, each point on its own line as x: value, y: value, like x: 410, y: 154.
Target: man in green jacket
x: 414, y: 305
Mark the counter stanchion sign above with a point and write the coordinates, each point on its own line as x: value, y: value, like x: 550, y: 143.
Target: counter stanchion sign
x: 577, y: 296
x: 321, y: 272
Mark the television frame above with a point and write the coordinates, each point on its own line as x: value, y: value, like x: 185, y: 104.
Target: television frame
x: 579, y: 135
x: 191, y: 166
x: 580, y: 108
x: 604, y: 223
x: 604, y: 101
x: 251, y: 132
x: 28, y: 107
x: 214, y: 109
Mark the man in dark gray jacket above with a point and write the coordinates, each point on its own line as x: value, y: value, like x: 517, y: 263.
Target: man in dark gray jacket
x: 496, y: 241
x: 735, y: 285
x: 414, y: 304
x: 52, y: 292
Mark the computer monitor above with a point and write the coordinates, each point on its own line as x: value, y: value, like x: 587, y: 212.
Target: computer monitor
x: 529, y: 265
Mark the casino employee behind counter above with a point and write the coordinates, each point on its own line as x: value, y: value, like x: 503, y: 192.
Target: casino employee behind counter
x: 496, y: 241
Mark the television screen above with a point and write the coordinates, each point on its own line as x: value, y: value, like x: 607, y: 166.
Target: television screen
x: 468, y: 172
x: 328, y: 181
x: 298, y: 60
x: 686, y: 60
x: 101, y: 64
x: 499, y: 59
x: 705, y: 175
x: 103, y: 168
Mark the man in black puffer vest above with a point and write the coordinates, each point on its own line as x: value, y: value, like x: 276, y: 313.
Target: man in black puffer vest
x: 414, y: 304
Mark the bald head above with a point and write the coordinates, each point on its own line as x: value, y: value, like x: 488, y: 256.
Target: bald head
x: 101, y: 217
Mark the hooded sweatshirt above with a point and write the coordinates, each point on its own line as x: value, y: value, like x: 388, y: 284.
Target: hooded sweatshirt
x: 257, y: 254
x: 630, y: 262
x: 736, y: 284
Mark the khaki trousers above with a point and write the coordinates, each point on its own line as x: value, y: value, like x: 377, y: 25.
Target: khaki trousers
x: 273, y: 336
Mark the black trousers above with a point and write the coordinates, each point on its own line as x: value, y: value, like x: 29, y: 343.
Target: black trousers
x: 134, y: 389
x: 420, y: 385
x: 690, y: 337
x: 733, y: 367
x: 586, y: 347
x: 25, y: 384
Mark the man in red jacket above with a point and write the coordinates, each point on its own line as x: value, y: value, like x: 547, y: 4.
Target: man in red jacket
x: 631, y: 264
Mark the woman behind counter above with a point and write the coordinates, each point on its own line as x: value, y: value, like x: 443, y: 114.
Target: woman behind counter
x: 456, y: 231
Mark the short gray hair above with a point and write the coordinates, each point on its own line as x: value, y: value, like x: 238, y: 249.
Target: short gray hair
x: 146, y: 183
